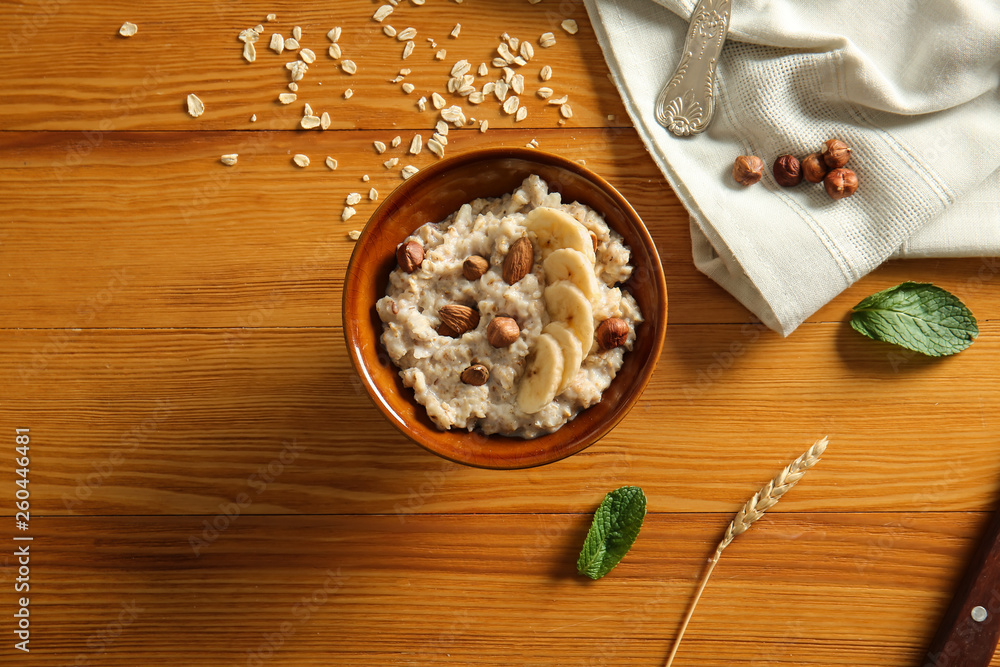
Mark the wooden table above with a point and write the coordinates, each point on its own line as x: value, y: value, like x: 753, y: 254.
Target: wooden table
x: 210, y: 486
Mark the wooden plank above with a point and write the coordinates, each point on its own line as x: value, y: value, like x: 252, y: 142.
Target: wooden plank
x: 66, y: 68
x: 262, y: 244
x: 182, y: 421
x: 798, y: 589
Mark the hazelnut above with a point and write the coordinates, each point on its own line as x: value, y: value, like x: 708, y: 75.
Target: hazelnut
x: 748, y: 169
x: 612, y: 333
x: 787, y: 171
x: 502, y: 331
x: 475, y: 266
x: 519, y: 260
x: 476, y: 375
x: 410, y: 256
x: 836, y: 154
x: 841, y: 183
x: 814, y: 169
x: 458, y: 319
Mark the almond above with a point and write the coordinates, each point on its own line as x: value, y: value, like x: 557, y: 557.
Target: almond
x: 612, y: 333
x: 519, y: 261
x: 502, y: 331
x: 458, y: 319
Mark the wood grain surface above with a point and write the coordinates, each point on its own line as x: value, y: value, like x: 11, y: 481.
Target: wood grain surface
x: 211, y: 486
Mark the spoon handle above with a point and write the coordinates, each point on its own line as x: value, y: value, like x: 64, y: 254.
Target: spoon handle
x: 686, y: 104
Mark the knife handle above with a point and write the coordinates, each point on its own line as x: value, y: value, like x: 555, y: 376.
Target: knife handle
x: 967, y: 638
x: 687, y: 102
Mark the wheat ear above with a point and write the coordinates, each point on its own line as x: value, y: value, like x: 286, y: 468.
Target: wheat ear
x: 754, y: 509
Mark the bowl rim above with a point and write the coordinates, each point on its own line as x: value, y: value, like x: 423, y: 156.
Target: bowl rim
x: 543, y: 457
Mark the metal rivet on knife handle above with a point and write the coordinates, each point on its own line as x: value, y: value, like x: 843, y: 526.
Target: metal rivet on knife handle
x: 686, y: 104
x: 979, y: 614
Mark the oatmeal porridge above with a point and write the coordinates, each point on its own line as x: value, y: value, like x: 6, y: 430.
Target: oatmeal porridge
x: 507, y: 317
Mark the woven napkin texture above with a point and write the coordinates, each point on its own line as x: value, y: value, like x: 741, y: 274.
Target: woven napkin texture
x: 912, y: 85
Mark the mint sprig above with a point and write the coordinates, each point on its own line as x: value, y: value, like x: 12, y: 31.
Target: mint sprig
x: 616, y: 525
x: 918, y: 316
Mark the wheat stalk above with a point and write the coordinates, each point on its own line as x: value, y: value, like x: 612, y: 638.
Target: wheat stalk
x: 753, y: 510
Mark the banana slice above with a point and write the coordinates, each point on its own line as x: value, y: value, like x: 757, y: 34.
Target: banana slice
x: 572, y: 352
x: 568, y: 304
x: 556, y: 229
x: 542, y: 376
x: 572, y: 265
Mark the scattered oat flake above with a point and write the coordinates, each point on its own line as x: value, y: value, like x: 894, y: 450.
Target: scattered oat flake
x: 483, y: 69
x: 517, y: 83
x: 484, y: 125
x: 408, y: 171
x: 416, y: 145
x: 379, y: 147
x: 128, y: 29
x: 408, y: 88
x: 253, y: 118
x: 396, y: 141
x: 334, y: 34
x: 348, y: 213
x: 441, y: 127
x: 353, y: 198
x: 566, y: 111
x: 391, y: 162
x: 348, y: 94
x: 334, y: 51
x: 440, y: 138
x: 527, y: 51
x: 545, y: 73
x: 441, y: 55
x: 324, y: 121
x: 460, y: 68
x: 381, y: 13
x: 249, y: 52
x: 406, y: 34
x: 308, y: 110
x: 422, y: 104
x: 511, y: 105
x: 545, y: 93
x: 294, y: 87
x: 435, y: 146
x: 354, y: 235
x: 331, y: 163
x: 457, y: 30
x: 310, y: 122
x: 389, y: 30
x: 272, y: 17
x: 195, y: 106
x: 570, y: 26
x: 408, y: 50
x: 297, y: 33
x: 349, y: 66
x: 277, y: 43
x: 476, y: 98
x: 307, y: 55
x: 438, y: 101
x: 301, y: 160
x: 546, y: 40
x: 287, y: 98
x: 522, y: 113
x: 365, y: 178
x: 373, y: 195
x: 229, y: 159
x: 291, y: 44
x: 559, y: 100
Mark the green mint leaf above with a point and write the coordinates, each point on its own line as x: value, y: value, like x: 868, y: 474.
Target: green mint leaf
x: 918, y: 316
x: 616, y: 525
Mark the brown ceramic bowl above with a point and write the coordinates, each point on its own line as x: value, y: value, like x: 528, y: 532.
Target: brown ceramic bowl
x: 431, y: 195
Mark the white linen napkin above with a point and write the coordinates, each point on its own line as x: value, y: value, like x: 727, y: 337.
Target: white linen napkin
x: 913, y: 86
